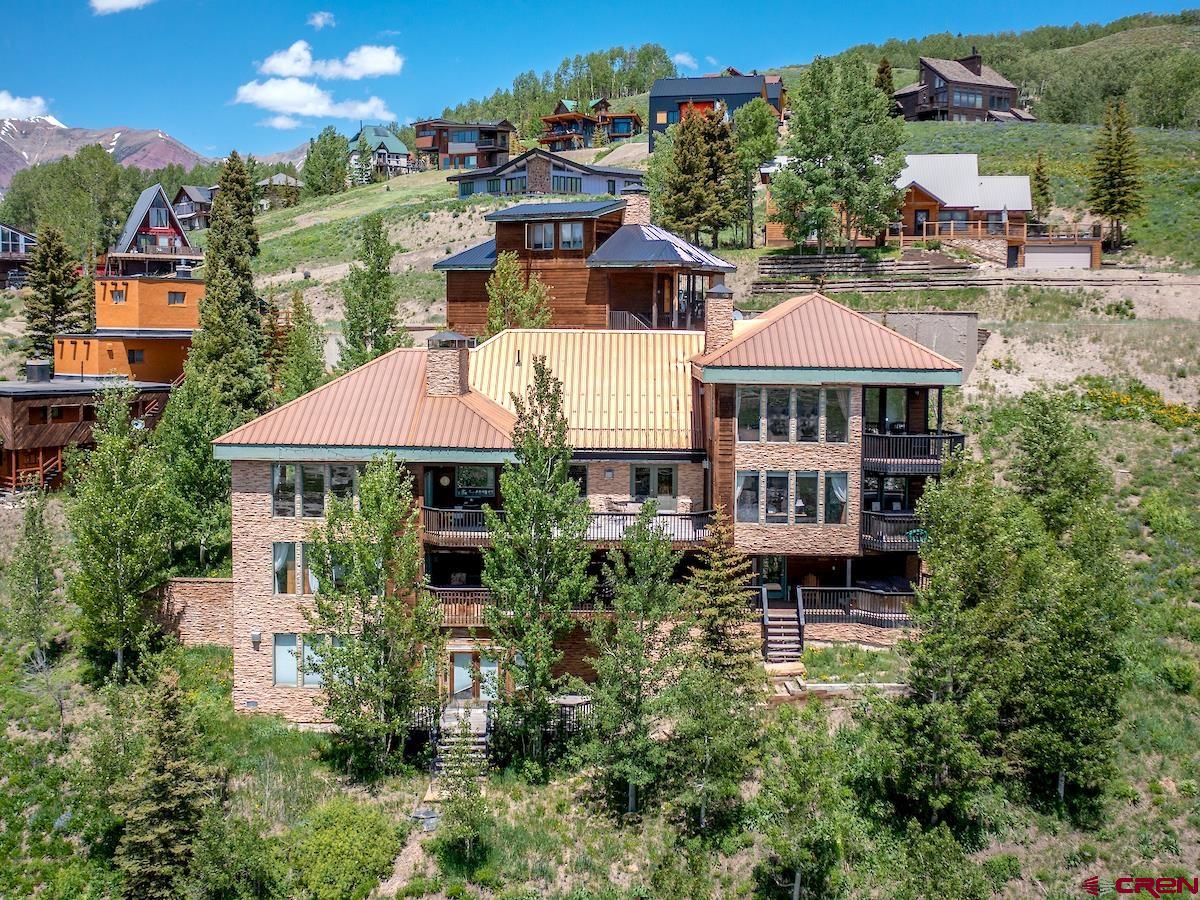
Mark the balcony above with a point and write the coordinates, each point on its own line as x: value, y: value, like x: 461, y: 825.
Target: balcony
x: 462, y: 607
x: 854, y: 606
x: 909, y: 454
x: 468, y: 527
x: 895, y: 531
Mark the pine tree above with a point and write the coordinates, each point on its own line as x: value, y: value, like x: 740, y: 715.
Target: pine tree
x: 1115, y: 188
x: 56, y: 304
x: 687, y: 194
x: 635, y: 658
x: 883, y: 78
x: 512, y: 304
x: 325, y: 165
x: 362, y: 171
x: 724, y: 173
x: 120, y: 513
x: 275, y: 332
x: 536, y: 567
x: 302, y: 364
x: 371, y: 326
x: 163, y: 801
x: 1042, y: 195
x: 719, y: 598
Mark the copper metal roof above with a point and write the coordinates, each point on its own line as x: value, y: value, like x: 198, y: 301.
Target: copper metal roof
x: 814, y: 332
x: 622, y: 390
x: 380, y: 404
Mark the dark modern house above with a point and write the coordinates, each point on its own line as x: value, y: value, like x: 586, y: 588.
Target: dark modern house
x: 670, y: 97
x: 539, y: 171
x: 776, y: 92
x: 193, y: 206
x: 442, y: 144
x: 15, y: 247
x: 960, y: 90
x: 572, y: 128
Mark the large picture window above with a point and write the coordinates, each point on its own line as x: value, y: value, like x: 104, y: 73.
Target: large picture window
x: 746, y: 501
x: 749, y: 413
x: 540, y: 236
x: 566, y: 184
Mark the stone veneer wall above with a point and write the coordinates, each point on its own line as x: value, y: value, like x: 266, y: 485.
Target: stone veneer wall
x: 833, y: 633
x: 816, y: 539
x: 602, y: 490
x: 537, y: 175
x: 198, y: 610
x: 446, y: 371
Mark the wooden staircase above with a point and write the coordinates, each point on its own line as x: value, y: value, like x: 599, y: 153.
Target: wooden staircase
x: 781, y: 634
x: 450, y: 738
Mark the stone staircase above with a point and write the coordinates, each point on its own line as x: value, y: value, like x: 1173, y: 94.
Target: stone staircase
x: 782, y: 636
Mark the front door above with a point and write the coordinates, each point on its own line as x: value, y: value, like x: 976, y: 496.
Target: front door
x: 473, y: 676
x: 772, y: 574
x: 920, y: 217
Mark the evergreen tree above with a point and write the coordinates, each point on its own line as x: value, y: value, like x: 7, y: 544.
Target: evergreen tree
x: 371, y: 328
x: 687, y: 195
x: 756, y: 138
x: 718, y: 597
x: 883, y: 78
x: 1043, y: 196
x: 120, y: 513
x: 302, y: 366
x: 325, y: 165
x: 465, y: 811
x: 660, y: 172
x: 635, y: 658
x: 1115, y: 182
x: 382, y: 622
x: 536, y: 567
x: 275, y: 332
x: 512, y: 303
x: 363, y: 170
x: 56, y: 305
x: 724, y: 173
x: 164, y: 800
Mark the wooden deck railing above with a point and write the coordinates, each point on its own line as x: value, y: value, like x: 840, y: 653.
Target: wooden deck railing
x: 463, y: 606
x: 854, y: 605
x: 911, y: 453
x: 1023, y: 231
x: 891, y: 531
x: 468, y: 527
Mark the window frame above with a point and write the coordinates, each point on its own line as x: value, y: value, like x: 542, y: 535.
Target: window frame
x: 176, y: 298
x: 276, y: 571
x: 741, y: 476
x: 783, y: 518
x: 827, y: 481
x: 570, y: 227
x: 814, y: 518
x: 539, y: 228
x: 653, y: 472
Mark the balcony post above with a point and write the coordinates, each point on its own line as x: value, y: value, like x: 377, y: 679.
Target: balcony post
x: 939, y: 409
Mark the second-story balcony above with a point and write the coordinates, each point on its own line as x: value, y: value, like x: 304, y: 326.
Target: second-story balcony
x: 892, y: 531
x: 910, y: 454
x: 462, y: 607
x: 468, y: 527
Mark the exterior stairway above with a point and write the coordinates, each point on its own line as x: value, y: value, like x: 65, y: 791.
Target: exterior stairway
x: 450, y: 736
x: 782, y: 635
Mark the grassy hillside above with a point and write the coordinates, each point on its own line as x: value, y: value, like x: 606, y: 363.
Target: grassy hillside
x: 1171, y: 161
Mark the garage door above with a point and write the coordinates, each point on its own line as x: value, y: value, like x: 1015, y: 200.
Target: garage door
x: 1058, y: 257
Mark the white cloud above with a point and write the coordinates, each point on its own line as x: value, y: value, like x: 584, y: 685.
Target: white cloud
x: 21, y: 107
x: 104, y: 7
x: 711, y: 60
x: 367, y: 61
x: 283, y: 123
x: 319, y: 20
x: 685, y: 59
x: 293, y: 97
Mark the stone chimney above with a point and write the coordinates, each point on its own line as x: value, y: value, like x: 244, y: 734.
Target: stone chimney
x: 974, y: 62
x: 637, y: 205
x: 448, y: 365
x: 718, y: 316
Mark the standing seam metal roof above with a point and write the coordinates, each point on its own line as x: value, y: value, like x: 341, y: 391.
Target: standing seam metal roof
x: 648, y: 245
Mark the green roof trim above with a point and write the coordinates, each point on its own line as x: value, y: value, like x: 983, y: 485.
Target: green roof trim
x: 751, y: 375
x: 379, y: 135
x: 265, y: 453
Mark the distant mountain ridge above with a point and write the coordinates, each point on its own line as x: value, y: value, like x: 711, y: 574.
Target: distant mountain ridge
x: 43, y: 139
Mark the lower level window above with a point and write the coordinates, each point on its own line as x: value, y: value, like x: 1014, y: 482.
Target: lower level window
x: 297, y: 659
x: 836, y: 493
x: 747, y: 497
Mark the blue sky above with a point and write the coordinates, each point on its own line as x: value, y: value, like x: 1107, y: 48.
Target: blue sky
x: 264, y: 76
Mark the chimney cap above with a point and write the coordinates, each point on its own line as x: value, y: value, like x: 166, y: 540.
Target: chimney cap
x: 448, y: 339
x: 635, y: 188
x: 719, y: 290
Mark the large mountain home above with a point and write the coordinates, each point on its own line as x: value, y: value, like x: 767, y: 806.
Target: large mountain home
x: 603, y: 262
x: 144, y: 328
x: 387, y: 154
x: 572, y: 128
x: 442, y: 144
x: 777, y: 94
x: 946, y: 200
x: 193, y: 206
x: 960, y: 90
x: 815, y: 427
x: 15, y: 247
x: 670, y: 97
x: 153, y: 242
x: 538, y: 171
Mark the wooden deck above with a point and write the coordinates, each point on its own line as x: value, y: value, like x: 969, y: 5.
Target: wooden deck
x: 468, y: 527
x: 1014, y: 232
x: 910, y: 454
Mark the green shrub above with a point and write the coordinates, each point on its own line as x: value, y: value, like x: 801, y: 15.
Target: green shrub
x: 234, y: 861
x: 1002, y: 869
x: 342, y: 850
x: 1177, y: 674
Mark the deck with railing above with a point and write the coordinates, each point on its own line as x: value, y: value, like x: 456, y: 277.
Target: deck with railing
x: 462, y: 607
x: 469, y: 528
x: 892, y: 531
x: 899, y: 233
x: 854, y: 605
x: 910, y: 454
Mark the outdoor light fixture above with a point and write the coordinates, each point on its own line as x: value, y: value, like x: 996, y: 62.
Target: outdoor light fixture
x: 256, y: 638
x: 444, y: 481
x: 608, y: 473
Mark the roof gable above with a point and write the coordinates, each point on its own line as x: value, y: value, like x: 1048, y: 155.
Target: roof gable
x: 953, y: 70
x: 558, y: 160
x: 814, y: 332
x: 140, y: 210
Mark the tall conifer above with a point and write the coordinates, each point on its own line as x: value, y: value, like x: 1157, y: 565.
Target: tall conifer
x: 56, y: 304
x: 1043, y: 197
x: 1115, y: 189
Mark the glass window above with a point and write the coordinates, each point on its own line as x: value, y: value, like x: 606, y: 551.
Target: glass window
x: 466, y: 188
x: 806, y: 498
x: 159, y: 217
x: 287, y: 669
x: 749, y: 412
x: 540, y: 236
x: 665, y: 481
x: 310, y: 583
x: 578, y: 474
x: 571, y: 235
x: 612, y: 186
x: 283, y: 490
x: 312, y: 486
x: 836, y: 491
x: 837, y: 415
x: 653, y: 482
x: 778, y: 413
x: 808, y: 413
x: 566, y: 184
x: 285, y: 567
x: 118, y: 296
x: 641, y: 482
x: 493, y: 186
x: 341, y: 482
x: 135, y: 356
x: 175, y: 298
x: 897, y: 414
x: 474, y: 481
x: 747, y: 497
x: 314, y: 644
x: 777, y: 498
x: 871, y: 410
x: 514, y: 185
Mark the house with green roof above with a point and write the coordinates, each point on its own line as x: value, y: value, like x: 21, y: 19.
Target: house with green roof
x: 388, y: 156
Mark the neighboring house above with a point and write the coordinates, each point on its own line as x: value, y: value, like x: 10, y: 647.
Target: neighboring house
x: 815, y: 427
x: 388, y: 155
x: 670, y: 97
x: 776, y: 92
x: 152, y: 242
x: 945, y: 199
x: 603, y: 262
x: 442, y: 144
x: 279, y: 190
x: 193, y: 206
x: 15, y: 247
x: 960, y: 90
x: 538, y: 171
x: 570, y: 128
x: 144, y: 327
